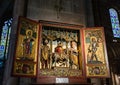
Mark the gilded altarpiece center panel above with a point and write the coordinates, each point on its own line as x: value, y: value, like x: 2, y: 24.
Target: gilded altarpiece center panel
x: 60, y: 53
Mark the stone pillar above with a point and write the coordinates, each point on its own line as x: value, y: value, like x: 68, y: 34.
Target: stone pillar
x: 117, y: 80
x: 25, y: 81
x: 113, y: 78
x: 96, y: 81
x: 17, y: 11
x: 89, y: 13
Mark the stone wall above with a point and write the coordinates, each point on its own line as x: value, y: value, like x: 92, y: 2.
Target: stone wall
x: 66, y: 11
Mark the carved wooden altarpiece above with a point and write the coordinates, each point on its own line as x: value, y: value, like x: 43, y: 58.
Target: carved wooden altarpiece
x: 56, y: 53
x: 60, y: 59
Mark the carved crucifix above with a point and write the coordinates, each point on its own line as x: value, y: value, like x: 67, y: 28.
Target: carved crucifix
x: 58, y: 7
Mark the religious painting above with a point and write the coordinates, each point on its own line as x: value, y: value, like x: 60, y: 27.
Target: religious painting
x: 26, y: 47
x: 60, y: 52
x: 95, y: 52
x: 25, y: 69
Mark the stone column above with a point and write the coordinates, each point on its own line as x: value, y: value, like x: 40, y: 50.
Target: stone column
x: 89, y: 13
x: 17, y: 11
x: 113, y: 78
x: 117, y: 80
x: 96, y: 81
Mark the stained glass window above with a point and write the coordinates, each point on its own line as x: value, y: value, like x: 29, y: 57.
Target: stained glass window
x: 4, y: 41
x: 5, y: 35
x: 115, y: 22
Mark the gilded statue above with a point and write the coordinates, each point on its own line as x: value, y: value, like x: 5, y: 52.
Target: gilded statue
x: 73, y: 52
x: 45, y: 55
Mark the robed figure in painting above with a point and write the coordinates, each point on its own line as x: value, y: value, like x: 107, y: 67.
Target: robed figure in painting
x: 93, y: 48
x: 28, y: 42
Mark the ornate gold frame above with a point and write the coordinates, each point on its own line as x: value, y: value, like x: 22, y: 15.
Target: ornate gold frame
x: 95, y: 53
x: 26, y: 53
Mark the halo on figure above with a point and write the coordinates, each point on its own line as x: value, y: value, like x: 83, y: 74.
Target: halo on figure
x: 93, y: 38
x: 46, y: 41
x: 29, y: 32
x: 60, y: 44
